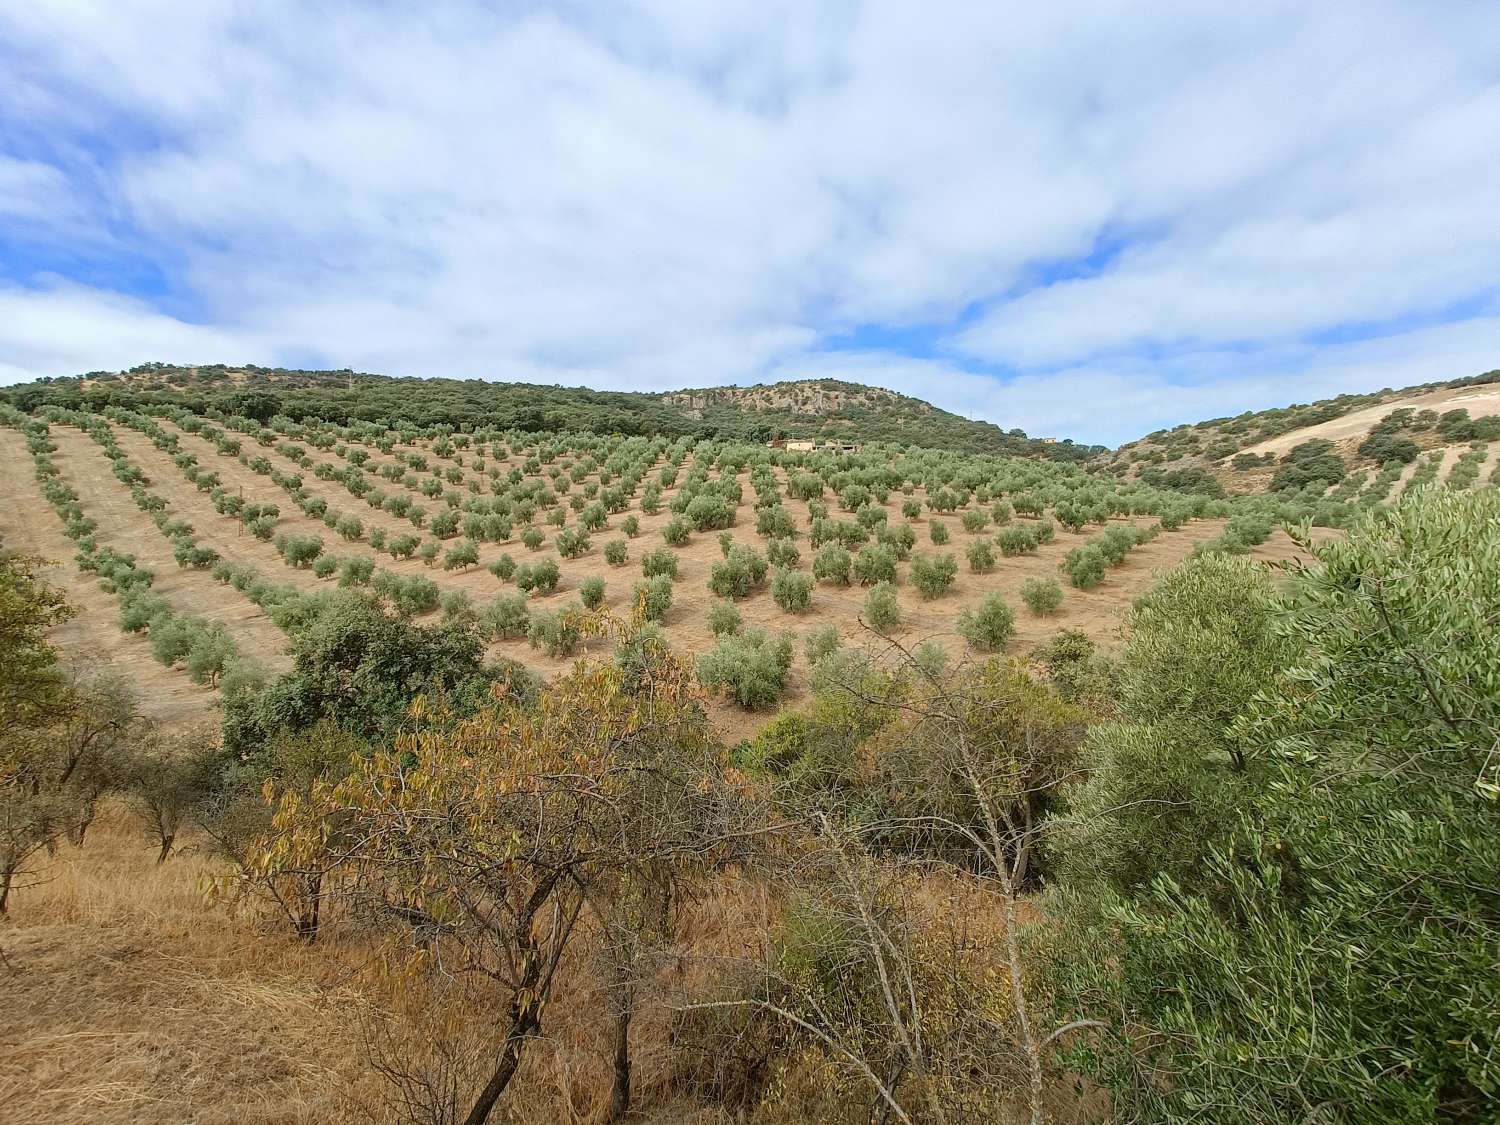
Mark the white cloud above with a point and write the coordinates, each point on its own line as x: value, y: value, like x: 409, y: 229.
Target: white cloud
x: 666, y: 193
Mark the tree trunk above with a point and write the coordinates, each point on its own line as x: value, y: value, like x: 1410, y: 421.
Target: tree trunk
x: 307, y: 924
x: 166, y: 849
x: 619, y: 1098
x: 5, y: 879
x: 522, y: 1027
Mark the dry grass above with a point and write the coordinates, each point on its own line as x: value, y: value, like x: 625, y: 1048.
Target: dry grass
x: 130, y: 999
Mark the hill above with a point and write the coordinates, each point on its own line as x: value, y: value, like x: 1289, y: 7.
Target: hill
x: 819, y: 409
x: 1241, y: 453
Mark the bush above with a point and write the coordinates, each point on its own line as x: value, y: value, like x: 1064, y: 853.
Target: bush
x: 659, y: 562
x: 356, y: 572
x: 539, y: 577
x: 556, y: 634
x: 933, y: 574
x: 981, y: 556
x: 820, y: 642
x: 461, y: 556
x: 324, y: 566
x: 782, y: 552
x: 503, y: 568
x: 533, y: 538
x: 299, y: 550
x: 990, y: 626
x: 750, y: 667
x: 616, y: 552
x: 792, y: 590
x: 653, y: 596
x: 738, y: 573
x: 882, y: 611
x: 974, y: 521
x: 724, y: 618
x: 631, y: 526
x: 832, y: 564
x: 349, y: 528
x: 1085, y: 566
x: 591, y: 592
x: 708, y: 513
x: 676, y: 532
x: 937, y: 531
x: 571, y: 542
x: 507, y: 616
x: 875, y: 563
x: 1017, y: 539
x: 1042, y: 595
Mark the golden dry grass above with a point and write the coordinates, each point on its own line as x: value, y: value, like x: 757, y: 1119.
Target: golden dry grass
x: 129, y: 998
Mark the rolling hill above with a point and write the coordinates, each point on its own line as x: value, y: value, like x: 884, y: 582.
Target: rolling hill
x: 807, y: 409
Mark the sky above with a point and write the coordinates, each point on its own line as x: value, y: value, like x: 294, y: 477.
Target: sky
x: 1084, y: 218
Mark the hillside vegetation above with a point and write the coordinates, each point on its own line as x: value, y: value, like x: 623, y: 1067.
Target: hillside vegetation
x: 811, y: 409
x: 559, y: 774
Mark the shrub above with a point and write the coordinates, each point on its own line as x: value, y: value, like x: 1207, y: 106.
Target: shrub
x: 981, y: 556
x: 653, y: 596
x: 708, y: 513
x: 990, y: 626
x: 782, y: 552
x: 507, y: 616
x: 533, y: 538
x: 540, y: 577
x: 428, y: 552
x: 461, y: 556
x: 832, y: 564
x: 750, y: 667
x: 792, y: 589
x: 349, y: 528
x: 631, y: 526
x: 875, y: 563
x: 724, y: 618
x: 937, y: 531
x: 356, y: 572
x: 616, y: 552
x: 503, y: 568
x: 1042, y: 595
x: 882, y: 612
x: 403, y: 546
x: 571, y: 542
x: 1085, y: 567
x: 820, y: 642
x: 591, y: 592
x: 974, y: 521
x: 324, y: 566
x: 738, y: 573
x: 299, y: 550
x: 659, y: 562
x: 676, y: 531
x: 933, y: 574
x: 1017, y: 539
x: 556, y: 634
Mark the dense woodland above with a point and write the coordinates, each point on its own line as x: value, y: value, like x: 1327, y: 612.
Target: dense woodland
x: 1240, y: 869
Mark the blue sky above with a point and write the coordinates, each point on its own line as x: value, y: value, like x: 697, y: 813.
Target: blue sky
x: 1086, y: 219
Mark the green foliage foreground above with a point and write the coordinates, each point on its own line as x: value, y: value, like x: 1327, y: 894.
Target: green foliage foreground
x: 1328, y: 952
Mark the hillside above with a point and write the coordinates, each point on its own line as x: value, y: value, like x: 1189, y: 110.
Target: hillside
x: 809, y: 409
x: 1241, y: 453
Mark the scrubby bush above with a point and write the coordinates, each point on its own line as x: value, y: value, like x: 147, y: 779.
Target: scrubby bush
x: 540, y: 577
x: 503, y: 568
x: 676, y: 531
x: 782, y: 552
x: 750, y: 667
x: 1085, y: 566
x: 724, y: 618
x: 792, y: 589
x: 875, y: 563
x: 820, y: 642
x: 556, y: 633
x: 507, y: 616
x: 933, y: 574
x: 616, y: 552
x: 653, y: 596
x: 738, y: 573
x: 1017, y: 539
x: 937, y: 531
x: 533, y: 538
x: 461, y: 556
x: 981, y: 556
x: 989, y: 626
x: 882, y: 611
x: 1042, y: 595
x: 591, y: 592
x: 659, y: 562
x: 832, y: 564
